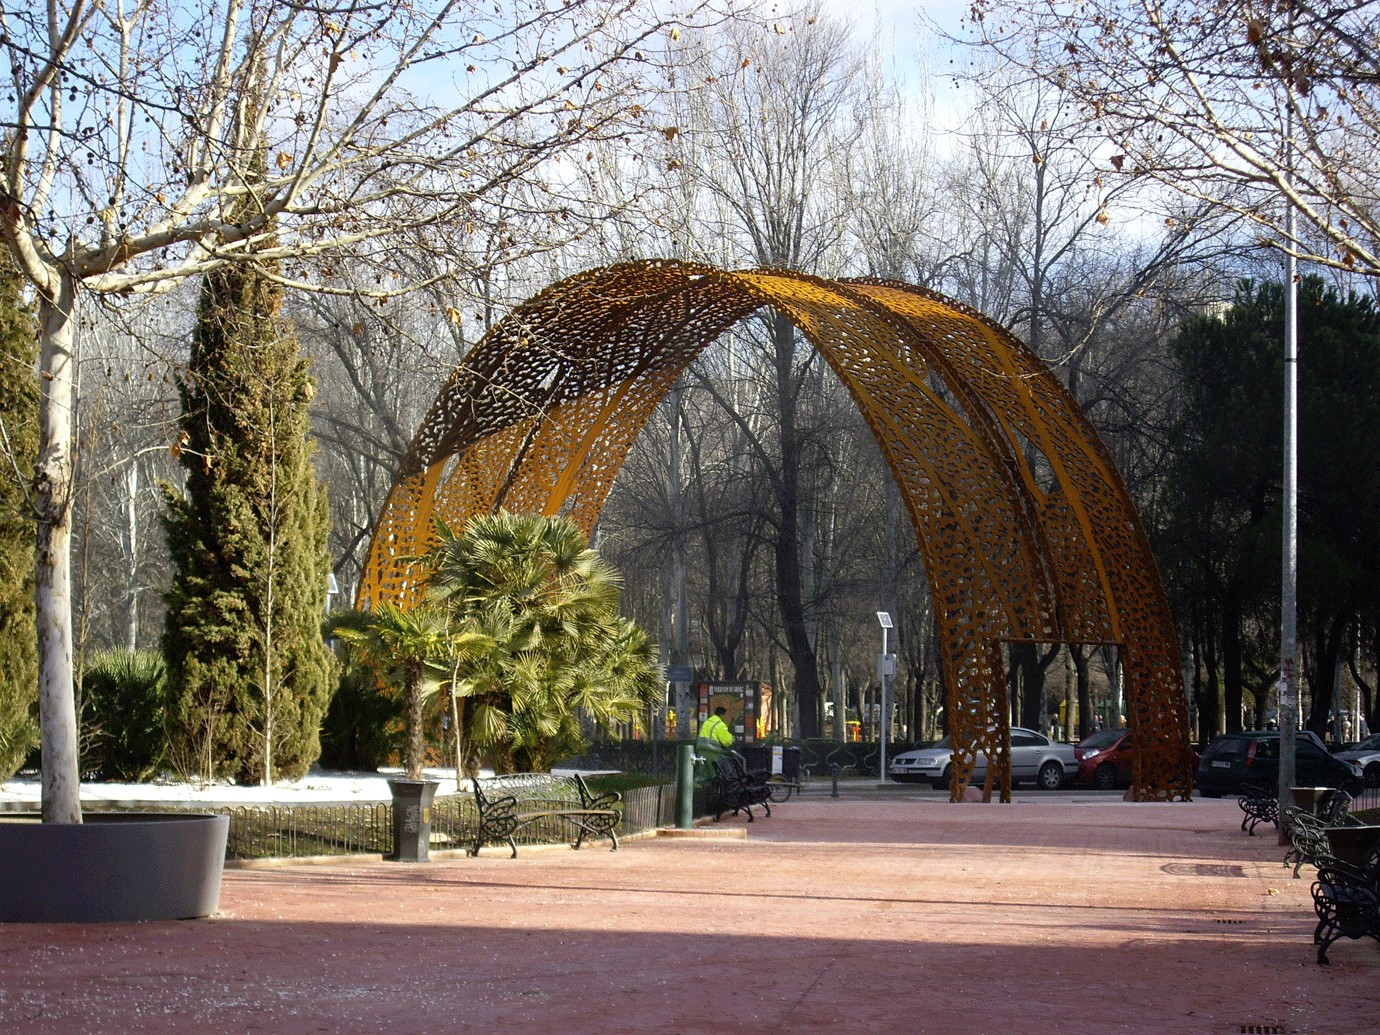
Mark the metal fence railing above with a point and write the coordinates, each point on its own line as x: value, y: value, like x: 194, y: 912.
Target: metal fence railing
x: 287, y: 832
x: 1368, y: 798
x: 646, y: 808
x: 300, y: 831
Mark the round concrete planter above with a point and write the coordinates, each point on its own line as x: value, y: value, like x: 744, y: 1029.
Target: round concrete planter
x: 111, y: 867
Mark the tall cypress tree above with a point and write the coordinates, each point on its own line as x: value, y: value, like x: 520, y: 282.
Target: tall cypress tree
x: 249, y: 675
x: 19, y: 420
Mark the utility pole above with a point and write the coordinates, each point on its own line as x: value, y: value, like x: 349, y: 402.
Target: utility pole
x: 886, y: 673
x: 680, y: 619
x: 1288, y: 638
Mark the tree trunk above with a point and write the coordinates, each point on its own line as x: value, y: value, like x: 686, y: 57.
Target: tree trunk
x: 1112, y: 666
x: 1209, y: 694
x: 1231, y: 658
x: 790, y: 587
x: 1080, y: 667
x: 1365, y: 690
x: 1028, y: 668
x: 61, y: 788
x: 1329, y: 641
x: 415, y: 743
x: 132, y: 557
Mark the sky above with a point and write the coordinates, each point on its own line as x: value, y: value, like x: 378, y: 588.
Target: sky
x: 910, y: 48
x: 901, y: 29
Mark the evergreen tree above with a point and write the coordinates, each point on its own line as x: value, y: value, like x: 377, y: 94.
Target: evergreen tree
x: 249, y: 675
x: 1220, y: 517
x: 19, y: 423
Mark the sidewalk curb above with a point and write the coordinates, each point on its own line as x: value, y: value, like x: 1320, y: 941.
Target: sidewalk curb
x: 706, y: 833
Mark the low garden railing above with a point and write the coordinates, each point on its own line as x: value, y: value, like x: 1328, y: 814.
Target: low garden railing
x: 301, y: 831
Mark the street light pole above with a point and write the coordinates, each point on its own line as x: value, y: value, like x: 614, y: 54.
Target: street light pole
x: 1288, y: 638
x: 886, y: 671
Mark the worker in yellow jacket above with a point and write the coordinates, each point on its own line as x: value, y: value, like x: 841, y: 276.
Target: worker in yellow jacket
x: 715, y: 736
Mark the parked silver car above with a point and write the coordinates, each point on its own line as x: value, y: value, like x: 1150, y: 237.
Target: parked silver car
x: 1033, y: 757
x: 1366, y: 755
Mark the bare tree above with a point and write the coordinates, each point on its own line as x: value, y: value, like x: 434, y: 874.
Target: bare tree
x: 764, y: 146
x: 131, y: 132
x: 1236, y: 103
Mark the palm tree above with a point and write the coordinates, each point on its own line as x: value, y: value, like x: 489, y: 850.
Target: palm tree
x: 414, y: 651
x: 531, y: 587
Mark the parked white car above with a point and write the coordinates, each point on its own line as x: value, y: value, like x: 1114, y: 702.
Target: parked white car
x: 1366, y: 756
x: 1034, y: 756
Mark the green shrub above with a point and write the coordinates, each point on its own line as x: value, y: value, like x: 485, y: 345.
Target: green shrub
x: 124, y: 693
x: 363, y: 727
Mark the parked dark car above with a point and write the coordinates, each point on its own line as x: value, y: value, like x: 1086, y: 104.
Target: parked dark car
x: 1104, y: 760
x: 1252, y: 757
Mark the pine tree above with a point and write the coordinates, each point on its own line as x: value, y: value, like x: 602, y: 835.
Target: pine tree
x: 249, y: 675
x: 19, y: 422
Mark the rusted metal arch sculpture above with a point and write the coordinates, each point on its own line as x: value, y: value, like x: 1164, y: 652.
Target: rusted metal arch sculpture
x: 1025, y: 527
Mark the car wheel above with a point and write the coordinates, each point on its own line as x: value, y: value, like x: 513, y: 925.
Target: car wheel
x: 1104, y: 777
x: 1372, y: 774
x: 1352, y: 786
x: 945, y: 782
x: 1051, y: 776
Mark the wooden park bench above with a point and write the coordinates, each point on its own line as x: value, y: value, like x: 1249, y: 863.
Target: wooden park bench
x: 1347, y: 901
x: 737, y: 788
x: 1260, y: 804
x: 1307, y: 840
x: 1307, y: 831
x: 512, y: 802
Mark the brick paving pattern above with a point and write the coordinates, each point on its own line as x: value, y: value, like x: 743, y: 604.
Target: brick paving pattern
x: 869, y: 914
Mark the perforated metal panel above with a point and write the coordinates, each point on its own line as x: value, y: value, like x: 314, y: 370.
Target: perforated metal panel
x: 1025, y: 526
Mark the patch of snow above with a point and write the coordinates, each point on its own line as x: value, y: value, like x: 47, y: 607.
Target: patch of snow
x: 317, y: 787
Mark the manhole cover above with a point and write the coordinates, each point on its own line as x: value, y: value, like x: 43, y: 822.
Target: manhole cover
x: 1203, y: 870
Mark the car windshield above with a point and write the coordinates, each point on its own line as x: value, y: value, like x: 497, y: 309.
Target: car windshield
x: 1371, y: 743
x: 1105, y: 739
x: 942, y: 742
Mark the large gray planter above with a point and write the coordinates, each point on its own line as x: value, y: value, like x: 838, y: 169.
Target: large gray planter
x: 112, y: 867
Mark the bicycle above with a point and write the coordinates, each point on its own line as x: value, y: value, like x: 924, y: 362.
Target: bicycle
x: 782, y: 786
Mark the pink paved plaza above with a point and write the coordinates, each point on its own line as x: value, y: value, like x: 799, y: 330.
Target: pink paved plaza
x: 869, y: 913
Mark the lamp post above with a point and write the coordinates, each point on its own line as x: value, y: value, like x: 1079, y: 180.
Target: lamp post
x: 886, y: 671
x: 1288, y: 638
